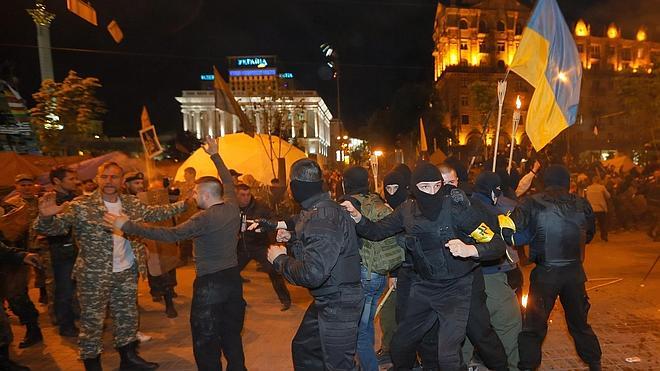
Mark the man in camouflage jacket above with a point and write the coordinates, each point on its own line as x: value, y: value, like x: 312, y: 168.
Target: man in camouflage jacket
x: 99, y: 282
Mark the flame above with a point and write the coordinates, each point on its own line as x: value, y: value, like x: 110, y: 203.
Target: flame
x: 641, y: 34
x: 524, y: 300
x: 518, y: 102
x: 612, y: 31
x: 581, y: 28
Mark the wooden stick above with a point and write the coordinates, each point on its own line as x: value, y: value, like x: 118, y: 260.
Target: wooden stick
x: 382, y: 302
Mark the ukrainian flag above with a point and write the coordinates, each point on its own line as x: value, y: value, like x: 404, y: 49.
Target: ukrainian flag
x: 548, y: 59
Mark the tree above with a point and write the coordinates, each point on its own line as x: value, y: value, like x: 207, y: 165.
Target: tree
x: 484, y: 96
x: 640, y: 96
x: 66, y: 114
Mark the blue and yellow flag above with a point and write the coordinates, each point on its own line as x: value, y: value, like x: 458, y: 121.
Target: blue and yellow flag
x: 548, y: 59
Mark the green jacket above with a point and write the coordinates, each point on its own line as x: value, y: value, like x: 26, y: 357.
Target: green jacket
x: 84, y: 215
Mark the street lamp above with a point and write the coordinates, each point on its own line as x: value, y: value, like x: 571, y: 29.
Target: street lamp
x: 331, y: 53
x: 378, y: 153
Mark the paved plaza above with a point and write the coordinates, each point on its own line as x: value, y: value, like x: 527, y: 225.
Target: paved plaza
x: 625, y: 315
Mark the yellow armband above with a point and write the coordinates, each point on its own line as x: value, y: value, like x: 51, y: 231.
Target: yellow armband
x: 482, y: 234
x: 506, y: 222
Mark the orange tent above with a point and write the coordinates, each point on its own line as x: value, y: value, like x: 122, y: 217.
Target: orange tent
x: 14, y: 164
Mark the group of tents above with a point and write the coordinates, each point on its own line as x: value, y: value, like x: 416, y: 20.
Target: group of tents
x: 257, y: 156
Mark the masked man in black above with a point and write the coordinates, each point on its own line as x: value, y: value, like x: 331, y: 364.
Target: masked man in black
x: 326, y: 261
x: 562, y: 224
x: 446, y: 238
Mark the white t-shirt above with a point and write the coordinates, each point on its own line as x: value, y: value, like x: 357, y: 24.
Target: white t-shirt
x: 122, y: 253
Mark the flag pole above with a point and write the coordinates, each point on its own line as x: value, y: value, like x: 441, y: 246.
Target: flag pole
x: 501, y: 92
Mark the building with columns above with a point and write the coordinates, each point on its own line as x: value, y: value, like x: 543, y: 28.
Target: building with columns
x: 475, y: 40
x: 302, y: 115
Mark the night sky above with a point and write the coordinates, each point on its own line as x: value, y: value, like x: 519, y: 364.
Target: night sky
x: 383, y: 45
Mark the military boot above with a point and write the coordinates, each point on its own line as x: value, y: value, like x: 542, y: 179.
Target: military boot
x: 93, y: 364
x: 32, y: 336
x: 130, y: 360
x: 169, y: 306
x: 7, y: 364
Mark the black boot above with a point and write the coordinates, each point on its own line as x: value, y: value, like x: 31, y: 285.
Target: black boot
x: 130, y: 360
x: 32, y: 336
x: 6, y: 363
x: 93, y: 364
x: 169, y: 306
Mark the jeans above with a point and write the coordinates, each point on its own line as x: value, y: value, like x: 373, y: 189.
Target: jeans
x: 373, y: 285
x: 65, y: 289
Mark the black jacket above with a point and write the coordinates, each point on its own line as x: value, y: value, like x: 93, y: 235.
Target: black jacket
x: 425, y: 239
x: 62, y: 248
x: 251, y: 241
x: 561, y: 224
x: 11, y: 255
x: 325, y: 248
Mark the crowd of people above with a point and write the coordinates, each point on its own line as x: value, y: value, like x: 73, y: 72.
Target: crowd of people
x: 437, y: 255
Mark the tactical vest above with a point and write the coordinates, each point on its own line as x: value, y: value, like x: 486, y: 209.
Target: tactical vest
x: 378, y: 256
x: 347, y: 269
x: 425, y: 241
x: 560, y: 234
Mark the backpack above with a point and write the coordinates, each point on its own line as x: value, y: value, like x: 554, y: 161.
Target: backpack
x: 378, y: 256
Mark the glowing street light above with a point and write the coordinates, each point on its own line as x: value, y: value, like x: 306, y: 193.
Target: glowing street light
x: 378, y: 153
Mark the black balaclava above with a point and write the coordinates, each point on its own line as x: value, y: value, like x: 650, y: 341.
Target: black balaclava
x: 404, y: 170
x: 488, y: 182
x: 557, y: 176
x: 356, y: 180
x: 429, y: 205
x: 306, y: 179
x: 401, y: 194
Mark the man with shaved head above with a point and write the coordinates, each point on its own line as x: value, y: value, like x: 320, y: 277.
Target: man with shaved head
x: 218, y: 307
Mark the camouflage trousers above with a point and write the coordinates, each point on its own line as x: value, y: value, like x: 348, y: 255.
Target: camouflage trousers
x: 120, y: 293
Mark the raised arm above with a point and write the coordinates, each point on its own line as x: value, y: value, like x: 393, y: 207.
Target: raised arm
x: 376, y: 231
x: 211, y: 147
x: 155, y: 213
x: 189, y: 229
x: 53, y: 219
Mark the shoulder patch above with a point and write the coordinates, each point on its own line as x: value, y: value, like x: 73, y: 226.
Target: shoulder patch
x: 459, y: 197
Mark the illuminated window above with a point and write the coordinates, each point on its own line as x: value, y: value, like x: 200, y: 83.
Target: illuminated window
x: 483, y: 27
x: 463, y: 24
x: 626, y: 54
x: 501, y: 26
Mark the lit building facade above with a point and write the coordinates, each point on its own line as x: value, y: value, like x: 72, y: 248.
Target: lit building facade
x: 305, y: 115
x: 475, y: 42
